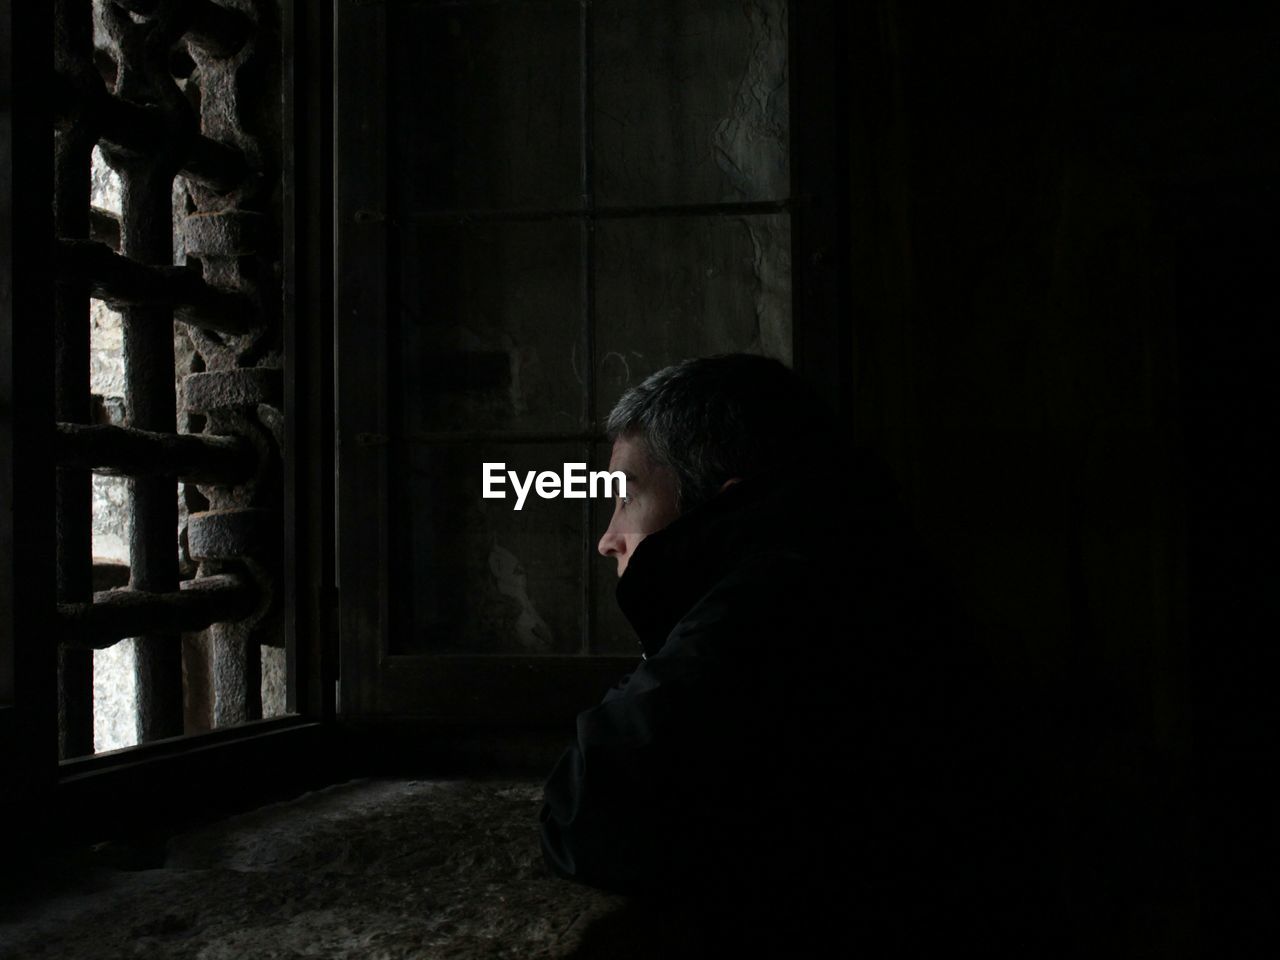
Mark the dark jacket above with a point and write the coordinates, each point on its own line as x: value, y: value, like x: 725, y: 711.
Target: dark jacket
x: 808, y: 726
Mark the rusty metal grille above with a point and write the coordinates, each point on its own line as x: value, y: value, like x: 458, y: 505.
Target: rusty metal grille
x: 162, y: 88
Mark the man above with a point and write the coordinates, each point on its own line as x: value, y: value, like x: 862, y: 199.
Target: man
x: 791, y: 743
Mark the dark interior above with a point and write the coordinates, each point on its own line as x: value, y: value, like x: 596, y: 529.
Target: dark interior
x: 1027, y: 252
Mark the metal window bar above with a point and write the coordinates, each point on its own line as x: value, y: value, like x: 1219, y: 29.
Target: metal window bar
x: 150, y: 133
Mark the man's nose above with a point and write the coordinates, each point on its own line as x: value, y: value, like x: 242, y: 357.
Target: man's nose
x: 612, y: 544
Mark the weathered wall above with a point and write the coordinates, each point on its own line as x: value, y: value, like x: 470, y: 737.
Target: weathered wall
x: 545, y: 259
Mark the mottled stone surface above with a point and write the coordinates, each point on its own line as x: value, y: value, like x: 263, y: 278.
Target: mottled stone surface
x: 225, y: 389
x: 226, y: 233
x: 374, y: 870
x: 275, y: 681
x: 231, y: 533
x: 474, y: 575
x: 691, y: 101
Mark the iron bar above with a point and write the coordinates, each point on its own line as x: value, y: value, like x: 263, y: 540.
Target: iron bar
x: 115, y: 615
x: 108, y: 575
x: 124, y: 451
x: 142, y: 131
x: 104, y: 227
x: 122, y: 282
x: 151, y: 404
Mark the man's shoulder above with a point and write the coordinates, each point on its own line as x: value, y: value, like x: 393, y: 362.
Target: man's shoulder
x: 759, y: 606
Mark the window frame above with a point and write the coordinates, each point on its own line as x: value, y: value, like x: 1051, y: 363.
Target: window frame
x: 28, y: 663
x: 164, y: 782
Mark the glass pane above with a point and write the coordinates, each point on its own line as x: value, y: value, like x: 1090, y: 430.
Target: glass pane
x: 491, y: 331
x: 485, y: 104
x: 688, y: 286
x: 475, y: 575
x: 690, y: 101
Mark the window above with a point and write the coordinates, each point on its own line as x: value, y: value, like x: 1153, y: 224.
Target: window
x: 168, y: 369
x: 539, y: 203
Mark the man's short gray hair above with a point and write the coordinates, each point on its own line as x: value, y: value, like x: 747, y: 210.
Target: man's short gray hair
x: 732, y: 415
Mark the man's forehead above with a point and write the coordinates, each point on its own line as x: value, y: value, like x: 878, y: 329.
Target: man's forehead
x: 629, y: 456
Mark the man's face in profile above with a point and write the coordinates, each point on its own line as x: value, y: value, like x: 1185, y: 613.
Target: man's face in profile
x: 650, y: 504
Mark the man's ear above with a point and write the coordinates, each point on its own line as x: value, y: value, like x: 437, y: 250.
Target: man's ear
x: 728, y: 483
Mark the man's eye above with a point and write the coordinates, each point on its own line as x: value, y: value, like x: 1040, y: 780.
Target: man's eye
x: 624, y: 500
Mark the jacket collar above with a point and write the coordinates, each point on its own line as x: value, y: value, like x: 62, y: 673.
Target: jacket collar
x: 674, y: 567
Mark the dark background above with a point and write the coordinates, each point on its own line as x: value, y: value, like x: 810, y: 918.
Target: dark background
x: 1040, y: 283
x: 1064, y: 233
x: 1030, y: 266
